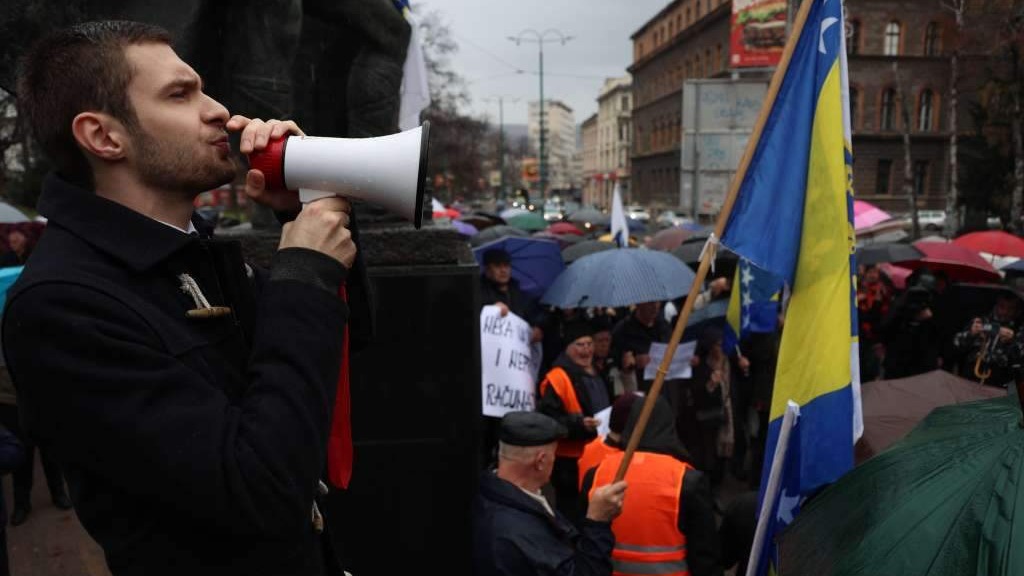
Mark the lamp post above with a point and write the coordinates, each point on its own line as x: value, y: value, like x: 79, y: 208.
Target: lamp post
x: 501, y: 139
x: 540, y: 38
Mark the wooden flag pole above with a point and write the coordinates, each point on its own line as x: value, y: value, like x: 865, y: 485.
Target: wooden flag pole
x: 709, y: 252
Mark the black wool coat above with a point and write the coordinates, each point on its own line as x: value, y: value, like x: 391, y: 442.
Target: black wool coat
x: 190, y: 446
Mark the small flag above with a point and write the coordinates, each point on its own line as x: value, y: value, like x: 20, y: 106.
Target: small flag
x: 620, y: 226
x: 415, y: 88
x: 754, y: 302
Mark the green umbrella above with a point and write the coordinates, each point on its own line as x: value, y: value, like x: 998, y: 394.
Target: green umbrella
x: 531, y: 222
x: 943, y: 501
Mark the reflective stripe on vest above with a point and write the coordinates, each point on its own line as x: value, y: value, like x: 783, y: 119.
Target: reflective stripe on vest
x: 593, y: 454
x: 647, y: 536
x: 560, y: 381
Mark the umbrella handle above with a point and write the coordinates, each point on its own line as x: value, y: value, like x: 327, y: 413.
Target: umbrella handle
x: 982, y: 373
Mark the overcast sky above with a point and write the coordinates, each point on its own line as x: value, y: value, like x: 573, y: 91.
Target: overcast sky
x: 572, y: 73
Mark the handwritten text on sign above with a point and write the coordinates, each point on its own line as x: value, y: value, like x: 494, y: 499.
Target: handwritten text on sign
x: 509, y: 374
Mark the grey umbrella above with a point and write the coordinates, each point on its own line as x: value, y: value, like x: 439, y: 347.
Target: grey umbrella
x: 496, y: 232
x: 892, y: 252
x: 620, y: 277
x: 11, y: 215
x: 591, y: 216
x: 573, y: 253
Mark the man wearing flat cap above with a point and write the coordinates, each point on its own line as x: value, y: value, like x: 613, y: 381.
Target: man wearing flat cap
x: 516, y: 531
x: 499, y: 288
x: 572, y: 392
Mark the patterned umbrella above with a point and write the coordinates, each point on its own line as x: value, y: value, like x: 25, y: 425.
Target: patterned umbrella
x: 620, y: 277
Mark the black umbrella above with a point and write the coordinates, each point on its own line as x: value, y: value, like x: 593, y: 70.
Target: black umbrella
x: 496, y: 232
x: 689, y: 253
x: 577, y: 251
x: 701, y: 236
x: 889, y: 252
x: 590, y: 216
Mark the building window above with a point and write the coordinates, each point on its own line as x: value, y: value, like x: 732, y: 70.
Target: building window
x: 689, y: 16
x: 887, y: 110
x: 719, y: 64
x: 854, y: 105
x: 698, y: 9
x: 624, y: 103
x: 925, y: 111
x: 920, y: 177
x: 883, y: 177
x: 709, y: 64
x: 852, y: 37
x: 931, y: 39
x: 893, y: 32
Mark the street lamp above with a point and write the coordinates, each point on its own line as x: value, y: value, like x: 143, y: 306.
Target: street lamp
x: 540, y: 38
x: 501, y: 139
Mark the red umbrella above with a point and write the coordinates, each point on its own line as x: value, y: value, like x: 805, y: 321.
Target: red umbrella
x: 961, y: 264
x: 668, y: 239
x: 994, y: 242
x: 564, y: 228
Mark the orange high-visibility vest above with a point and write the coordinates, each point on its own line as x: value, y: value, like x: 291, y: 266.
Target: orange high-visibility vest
x: 647, y: 536
x: 560, y: 381
x: 593, y: 454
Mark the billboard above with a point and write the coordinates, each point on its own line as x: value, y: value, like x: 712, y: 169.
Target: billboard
x: 758, y: 33
x: 530, y: 170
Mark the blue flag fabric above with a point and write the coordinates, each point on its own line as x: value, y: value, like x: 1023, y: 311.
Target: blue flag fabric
x: 793, y: 218
x: 754, y: 302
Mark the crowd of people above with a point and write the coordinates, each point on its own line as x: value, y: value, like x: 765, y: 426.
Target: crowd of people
x: 713, y: 425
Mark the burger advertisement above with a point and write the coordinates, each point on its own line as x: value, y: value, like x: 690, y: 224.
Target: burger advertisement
x: 758, y: 32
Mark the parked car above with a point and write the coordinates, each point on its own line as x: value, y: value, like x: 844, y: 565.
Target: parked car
x: 637, y: 212
x: 931, y: 220
x: 669, y: 218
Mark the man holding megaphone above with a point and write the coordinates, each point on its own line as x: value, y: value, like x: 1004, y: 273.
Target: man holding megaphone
x: 187, y: 396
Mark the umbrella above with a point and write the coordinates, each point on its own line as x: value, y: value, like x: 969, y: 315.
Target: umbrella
x: 531, y: 222
x: 961, y: 264
x: 892, y: 252
x: 620, y: 277
x: 564, y: 228
x: 994, y: 242
x: 725, y: 260
x: 563, y: 240
x: 590, y: 216
x: 464, y: 228
x: 11, y: 215
x: 898, y: 274
x: 577, y: 251
x: 635, y: 226
x: 607, y: 237
x: 7, y: 278
x: 698, y: 236
x: 893, y: 407
x: 668, y: 239
x: 934, y: 238
x: 513, y: 212
x: 496, y: 232
x: 482, y: 220
x: 942, y: 501
x: 866, y: 215
x: 535, y: 262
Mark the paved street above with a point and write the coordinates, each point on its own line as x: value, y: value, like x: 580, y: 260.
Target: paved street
x: 51, y: 542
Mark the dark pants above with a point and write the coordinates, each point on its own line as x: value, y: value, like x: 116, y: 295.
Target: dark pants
x: 565, y: 480
x: 22, y: 475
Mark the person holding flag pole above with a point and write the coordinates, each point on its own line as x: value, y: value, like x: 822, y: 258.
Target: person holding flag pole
x: 789, y: 211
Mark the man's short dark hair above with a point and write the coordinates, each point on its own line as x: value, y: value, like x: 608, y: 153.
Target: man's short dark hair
x: 74, y: 70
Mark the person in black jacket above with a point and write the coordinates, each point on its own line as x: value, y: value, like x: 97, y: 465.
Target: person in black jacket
x: 186, y: 394
x: 573, y: 406
x: 516, y: 532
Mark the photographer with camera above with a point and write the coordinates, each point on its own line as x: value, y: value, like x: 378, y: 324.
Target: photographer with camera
x: 989, y: 350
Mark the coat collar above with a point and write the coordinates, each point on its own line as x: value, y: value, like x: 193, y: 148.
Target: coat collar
x: 133, y: 238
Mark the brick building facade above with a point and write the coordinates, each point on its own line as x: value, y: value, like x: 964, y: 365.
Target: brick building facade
x: 687, y: 39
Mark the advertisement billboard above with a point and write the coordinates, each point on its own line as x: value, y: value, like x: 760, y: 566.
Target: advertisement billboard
x: 758, y: 33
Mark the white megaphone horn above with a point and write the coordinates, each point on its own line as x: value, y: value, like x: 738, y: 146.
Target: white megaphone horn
x: 389, y: 171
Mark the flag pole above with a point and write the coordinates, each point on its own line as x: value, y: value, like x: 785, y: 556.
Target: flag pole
x: 708, y: 255
x: 772, y: 489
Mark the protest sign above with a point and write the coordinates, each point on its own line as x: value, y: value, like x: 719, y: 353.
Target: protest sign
x: 508, y: 369
x: 680, y: 367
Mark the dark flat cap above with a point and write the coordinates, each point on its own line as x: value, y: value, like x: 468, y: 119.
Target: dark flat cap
x: 497, y: 256
x: 530, y: 429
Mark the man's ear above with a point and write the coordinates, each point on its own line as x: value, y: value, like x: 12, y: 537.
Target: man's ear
x: 100, y: 135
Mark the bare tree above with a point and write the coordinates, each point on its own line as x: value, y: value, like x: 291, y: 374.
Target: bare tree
x: 952, y: 224
x: 908, y: 166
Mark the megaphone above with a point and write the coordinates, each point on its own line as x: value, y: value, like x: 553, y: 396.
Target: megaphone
x: 388, y: 171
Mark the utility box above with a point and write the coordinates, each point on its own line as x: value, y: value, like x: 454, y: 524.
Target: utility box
x: 718, y: 118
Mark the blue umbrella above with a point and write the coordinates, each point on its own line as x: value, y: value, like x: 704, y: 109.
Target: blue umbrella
x: 10, y: 274
x: 620, y: 277
x: 1017, y: 266
x: 535, y: 262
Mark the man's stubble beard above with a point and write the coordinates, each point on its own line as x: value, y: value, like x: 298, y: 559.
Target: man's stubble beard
x: 167, y: 165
